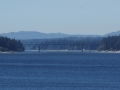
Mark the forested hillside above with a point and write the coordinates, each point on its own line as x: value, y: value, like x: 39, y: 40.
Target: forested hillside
x: 111, y: 43
x: 7, y: 44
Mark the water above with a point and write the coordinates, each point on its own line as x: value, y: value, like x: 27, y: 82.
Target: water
x: 60, y: 71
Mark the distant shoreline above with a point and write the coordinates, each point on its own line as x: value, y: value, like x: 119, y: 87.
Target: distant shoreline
x: 84, y: 51
x: 59, y: 50
x: 9, y: 52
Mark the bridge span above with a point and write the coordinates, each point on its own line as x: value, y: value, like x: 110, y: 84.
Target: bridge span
x: 62, y: 46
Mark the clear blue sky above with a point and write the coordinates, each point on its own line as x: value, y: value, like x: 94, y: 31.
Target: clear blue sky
x: 64, y: 16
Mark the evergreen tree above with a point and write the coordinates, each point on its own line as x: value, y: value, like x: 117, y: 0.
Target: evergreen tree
x: 110, y: 43
x: 7, y: 44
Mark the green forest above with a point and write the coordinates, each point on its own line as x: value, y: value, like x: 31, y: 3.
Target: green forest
x: 110, y: 43
x: 7, y: 44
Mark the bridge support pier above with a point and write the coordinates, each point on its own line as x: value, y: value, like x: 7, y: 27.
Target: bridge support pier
x: 38, y: 48
x: 82, y: 49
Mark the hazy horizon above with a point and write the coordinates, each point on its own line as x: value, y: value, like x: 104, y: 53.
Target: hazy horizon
x: 74, y: 17
x: 60, y: 33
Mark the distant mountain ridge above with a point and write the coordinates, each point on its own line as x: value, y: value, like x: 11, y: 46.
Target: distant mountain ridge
x: 33, y: 35
x: 39, y: 35
x: 113, y: 33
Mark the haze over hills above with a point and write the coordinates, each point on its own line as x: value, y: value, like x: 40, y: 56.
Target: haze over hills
x: 33, y: 35
x: 113, y: 33
x: 39, y: 35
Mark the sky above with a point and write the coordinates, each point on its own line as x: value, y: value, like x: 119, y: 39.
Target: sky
x: 83, y: 17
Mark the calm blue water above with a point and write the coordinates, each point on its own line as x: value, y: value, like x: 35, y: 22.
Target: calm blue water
x: 59, y: 71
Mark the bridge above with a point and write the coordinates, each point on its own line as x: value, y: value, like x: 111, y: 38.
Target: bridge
x: 63, y: 46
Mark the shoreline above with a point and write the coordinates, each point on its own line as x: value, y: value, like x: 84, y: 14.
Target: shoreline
x: 9, y: 52
x: 84, y: 51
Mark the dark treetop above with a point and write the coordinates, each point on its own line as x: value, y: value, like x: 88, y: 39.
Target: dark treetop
x: 7, y: 44
x: 111, y: 43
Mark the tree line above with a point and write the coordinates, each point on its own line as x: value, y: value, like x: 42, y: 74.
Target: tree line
x: 7, y: 44
x: 110, y: 43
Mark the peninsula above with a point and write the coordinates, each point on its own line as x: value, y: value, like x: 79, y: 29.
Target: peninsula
x: 8, y: 44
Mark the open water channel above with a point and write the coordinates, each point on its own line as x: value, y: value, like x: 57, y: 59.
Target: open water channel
x: 59, y: 71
